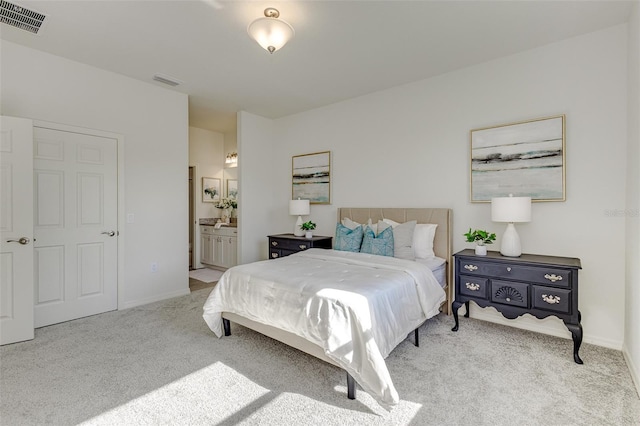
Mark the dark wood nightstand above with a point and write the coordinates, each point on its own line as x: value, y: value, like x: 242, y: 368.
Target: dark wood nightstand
x: 285, y: 244
x: 530, y: 284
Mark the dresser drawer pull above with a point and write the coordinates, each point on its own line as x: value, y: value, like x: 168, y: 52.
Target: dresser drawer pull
x: 551, y: 299
x: 470, y: 267
x: 553, y: 277
x: 509, y: 269
x: 274, y: 243
x: 473, y: 286
x: 302, y: 246
x: 274, y: 255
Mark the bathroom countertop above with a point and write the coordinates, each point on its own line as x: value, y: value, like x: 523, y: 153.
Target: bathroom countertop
x: 214, y: 220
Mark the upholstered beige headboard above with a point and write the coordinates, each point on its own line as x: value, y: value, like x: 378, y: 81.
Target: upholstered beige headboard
x: 442, y: 245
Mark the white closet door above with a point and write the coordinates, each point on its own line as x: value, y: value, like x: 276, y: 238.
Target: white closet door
x: 16, y: 230
x: 75, y: 225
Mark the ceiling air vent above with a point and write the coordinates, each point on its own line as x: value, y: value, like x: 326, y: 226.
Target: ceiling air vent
x: 20, y: 17
x: 165, y: 79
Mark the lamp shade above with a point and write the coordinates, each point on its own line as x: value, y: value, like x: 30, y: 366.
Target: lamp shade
x: 270, y: 33
x: 299, y: 207
x: 511, y: 209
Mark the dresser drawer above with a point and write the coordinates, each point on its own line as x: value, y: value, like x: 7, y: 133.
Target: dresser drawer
x: 510, y: 293
x: 474, y: 286
x: 535, y: 274
x: 288, y: 244
x: 551, y: 299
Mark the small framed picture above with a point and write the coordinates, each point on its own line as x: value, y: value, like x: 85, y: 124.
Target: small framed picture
x: 232, y: 189
x: 311, y: 177
x: 210, y: 190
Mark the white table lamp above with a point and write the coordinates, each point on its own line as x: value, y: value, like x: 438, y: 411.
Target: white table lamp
x: 298, y: 208
x: 511, y: 209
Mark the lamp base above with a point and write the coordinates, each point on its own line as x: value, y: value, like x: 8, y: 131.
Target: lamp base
x: 297, y: 230
x: 510, y: 242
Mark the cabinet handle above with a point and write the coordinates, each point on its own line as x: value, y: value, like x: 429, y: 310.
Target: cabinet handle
x: 551, y: 299
x: 274, y: 243
x: 470, y: 267
x: 553, y: 277
x: 509, y: 269
x: 302, y: 247
x: 472, y: 286
x: 274, y: 255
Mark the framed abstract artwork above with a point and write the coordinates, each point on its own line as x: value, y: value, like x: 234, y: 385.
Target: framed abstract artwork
x: 210, y: 190
x: 311, y: 177
x: 232, y: 188
x: 526, y: 159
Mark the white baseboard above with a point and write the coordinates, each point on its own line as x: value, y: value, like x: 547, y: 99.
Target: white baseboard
x: 633, y: 369
x: 551, y: 325
x: 156, y: 298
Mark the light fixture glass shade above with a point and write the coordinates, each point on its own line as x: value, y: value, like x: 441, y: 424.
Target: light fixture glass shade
x: 511, y: 209
x: 270, y: 33
x: 298, y: 207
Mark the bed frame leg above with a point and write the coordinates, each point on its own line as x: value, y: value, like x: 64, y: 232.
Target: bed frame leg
x: 416, y: 338
x: 351, y: 387
x: 227, y: 326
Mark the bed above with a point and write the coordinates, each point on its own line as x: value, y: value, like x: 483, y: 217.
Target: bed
x: 290, y: 299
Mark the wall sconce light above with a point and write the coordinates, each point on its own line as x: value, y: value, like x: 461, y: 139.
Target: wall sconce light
x: 511, y: 209
x: 232, y: 159
x: 270, y: 32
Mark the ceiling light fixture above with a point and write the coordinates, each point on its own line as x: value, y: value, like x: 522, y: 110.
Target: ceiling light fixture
x: 270, y: 32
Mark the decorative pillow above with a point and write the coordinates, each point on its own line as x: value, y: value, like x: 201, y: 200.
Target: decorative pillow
x: 423, y: 240
x: 350, y: 223
x: 402, y: 238
x: 348, y: 239
x: 381, y: 244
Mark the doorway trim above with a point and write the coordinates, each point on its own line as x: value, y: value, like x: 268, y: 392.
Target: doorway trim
x: 120, y: 185
x: 196, y: 225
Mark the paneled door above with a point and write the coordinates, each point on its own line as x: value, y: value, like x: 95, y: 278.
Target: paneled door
x: 16, y: 230
x: 75, y: 224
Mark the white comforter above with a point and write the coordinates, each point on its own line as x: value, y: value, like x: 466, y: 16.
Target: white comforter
x: 357, y: 307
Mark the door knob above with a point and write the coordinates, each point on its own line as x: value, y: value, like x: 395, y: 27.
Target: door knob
x: 23, y: 241
x: 109, y: 233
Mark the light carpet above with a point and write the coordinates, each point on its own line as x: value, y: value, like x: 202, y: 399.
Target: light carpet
x: 160, y: 364
x: 206, y: 275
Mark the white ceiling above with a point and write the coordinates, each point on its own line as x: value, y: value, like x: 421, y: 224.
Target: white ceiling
x: 342, y: 49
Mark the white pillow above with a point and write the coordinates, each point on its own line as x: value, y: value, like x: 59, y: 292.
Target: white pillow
x: 423, y: 240
x: 353, y: 225
x: 402, y: 238
x: 350, y: 223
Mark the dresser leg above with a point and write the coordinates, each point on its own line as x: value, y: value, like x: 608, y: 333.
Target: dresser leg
x: 454, y: 307
x: 576, y: 333
x: 466, y: 305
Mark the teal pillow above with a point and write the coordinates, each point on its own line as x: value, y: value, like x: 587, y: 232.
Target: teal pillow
x: 348, y: 239
x: 381, y: 244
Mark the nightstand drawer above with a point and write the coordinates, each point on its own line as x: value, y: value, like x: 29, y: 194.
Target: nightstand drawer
x: 510, y: 293
x: 541, y: 275
x: 474, y: 286
x: 552, y: 299
x: 287, y: 244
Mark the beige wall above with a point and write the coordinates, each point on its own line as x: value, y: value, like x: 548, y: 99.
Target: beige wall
x: 409, y: 146
x: 206, y: 155
x: 154, y: 123
x: 631, y: 348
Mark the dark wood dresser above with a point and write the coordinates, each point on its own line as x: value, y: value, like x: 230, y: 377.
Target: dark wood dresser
x: 285, y: 244
x: 530, y: 284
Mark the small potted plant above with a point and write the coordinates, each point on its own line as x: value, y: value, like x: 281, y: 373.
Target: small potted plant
x: 480, y: 237
x: 308, y: 227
